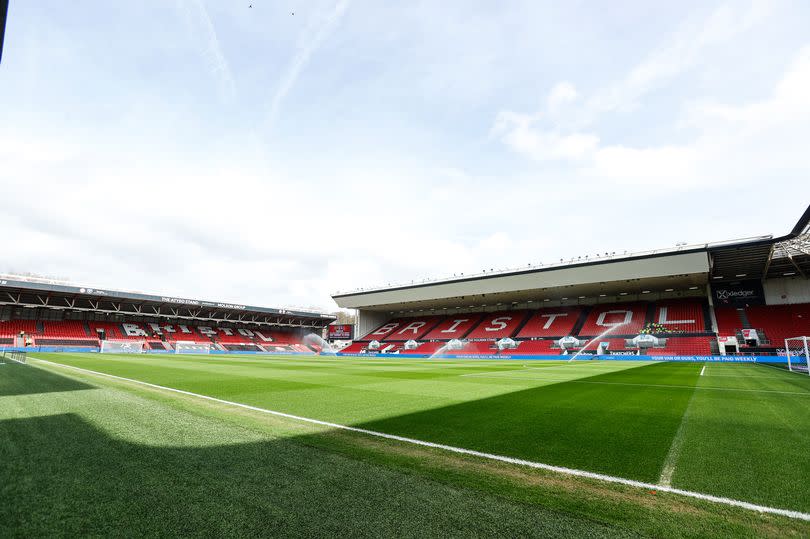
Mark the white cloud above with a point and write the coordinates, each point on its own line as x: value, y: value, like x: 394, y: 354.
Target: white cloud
x: 732, y: 144
x: 520, y: 132
x: 562, y: 94
x: 680, y: 52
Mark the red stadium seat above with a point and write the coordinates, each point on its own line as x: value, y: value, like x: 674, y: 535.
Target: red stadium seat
x: 383, y: 331
x: 498, y: 325
x: 780, y: 322
x: 602, y: 317
x: 425, y: 348
x: 412, y: 328
x: 539, y: 348
x: 354, y: 348
x: 684, y: 346
x: 728, y: 321
x: 12, y: 328
x: 681, y: 315
x: 454, y: 327
x: 551, y: 322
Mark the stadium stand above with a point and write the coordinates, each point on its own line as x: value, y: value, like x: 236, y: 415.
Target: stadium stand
x: 414, y: 328
x: 539, y: 347
x: 383, y: 331
x: 480, y: 348
x: 232, y: 336
x: 48, y: 341
x: 779, y: 322
x: 157, y: 337
x: 354, y: 348
x: 111, y: 330
x: 681, y: 315
x: 280, y: 337
x: 774, y: 323
x: 68, y: 329
x: 537, y: 331
x: 602, y: 317
x: 12, y: 328
x: 554, y: 322
x: 425, y: 348
x: 613, y: 345
x: 454, y: 327
x: 728, y: 320
x: 498, y: 325
x: 684, y: 346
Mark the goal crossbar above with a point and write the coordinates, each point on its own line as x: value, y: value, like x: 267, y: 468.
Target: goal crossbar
x: 190, y: 347
x: 122, y: 347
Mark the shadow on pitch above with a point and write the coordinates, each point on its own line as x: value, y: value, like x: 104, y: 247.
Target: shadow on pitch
x: 17, y: 379
x: 61, y: 475
x: 608, y: 428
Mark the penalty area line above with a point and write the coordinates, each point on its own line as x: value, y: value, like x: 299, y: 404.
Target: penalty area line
x: 462, y: 451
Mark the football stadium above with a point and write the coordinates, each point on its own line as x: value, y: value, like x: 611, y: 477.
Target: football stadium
x: 659, y: 392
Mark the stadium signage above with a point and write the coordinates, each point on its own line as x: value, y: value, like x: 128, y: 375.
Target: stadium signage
x: 230, y: 306
x: 138, y: 297
x: 180, y: 301
x: 341, y: 332
x: 739, y: 293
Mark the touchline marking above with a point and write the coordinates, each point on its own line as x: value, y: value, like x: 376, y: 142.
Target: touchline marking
x: 460, y: 450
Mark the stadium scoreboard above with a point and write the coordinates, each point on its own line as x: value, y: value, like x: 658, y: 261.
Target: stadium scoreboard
x: 340, y: 332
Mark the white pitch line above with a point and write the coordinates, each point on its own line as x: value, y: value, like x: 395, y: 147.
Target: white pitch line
x: 471, y: 452
x: 702, y: 370
x: 674, y: 453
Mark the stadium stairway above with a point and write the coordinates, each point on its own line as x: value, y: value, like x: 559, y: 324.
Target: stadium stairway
x: 522, y: 325
x: 586, y: 311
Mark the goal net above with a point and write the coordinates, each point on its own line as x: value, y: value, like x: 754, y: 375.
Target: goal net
x: 122, y: 347
x: 192, y: 348
x: 19, y: 357
x: 797, y: 350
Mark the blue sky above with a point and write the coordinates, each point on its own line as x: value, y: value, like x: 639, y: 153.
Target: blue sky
x: 204, y: 148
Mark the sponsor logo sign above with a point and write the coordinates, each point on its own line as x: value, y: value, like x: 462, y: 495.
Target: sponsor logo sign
x: 179, y: 301
x: 739, y: 293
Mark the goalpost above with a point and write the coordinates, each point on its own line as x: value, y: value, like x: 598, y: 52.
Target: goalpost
x: 188, y: 347
x: 19, y: 357
x: 122, y: 347
x: 797, y: 350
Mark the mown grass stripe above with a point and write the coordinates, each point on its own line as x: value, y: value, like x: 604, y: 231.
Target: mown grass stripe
x: 459, y: 450
x: 668, y: 469
x: 664, y: 386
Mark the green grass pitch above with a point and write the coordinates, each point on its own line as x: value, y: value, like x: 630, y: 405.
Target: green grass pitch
x: 85, y: 454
